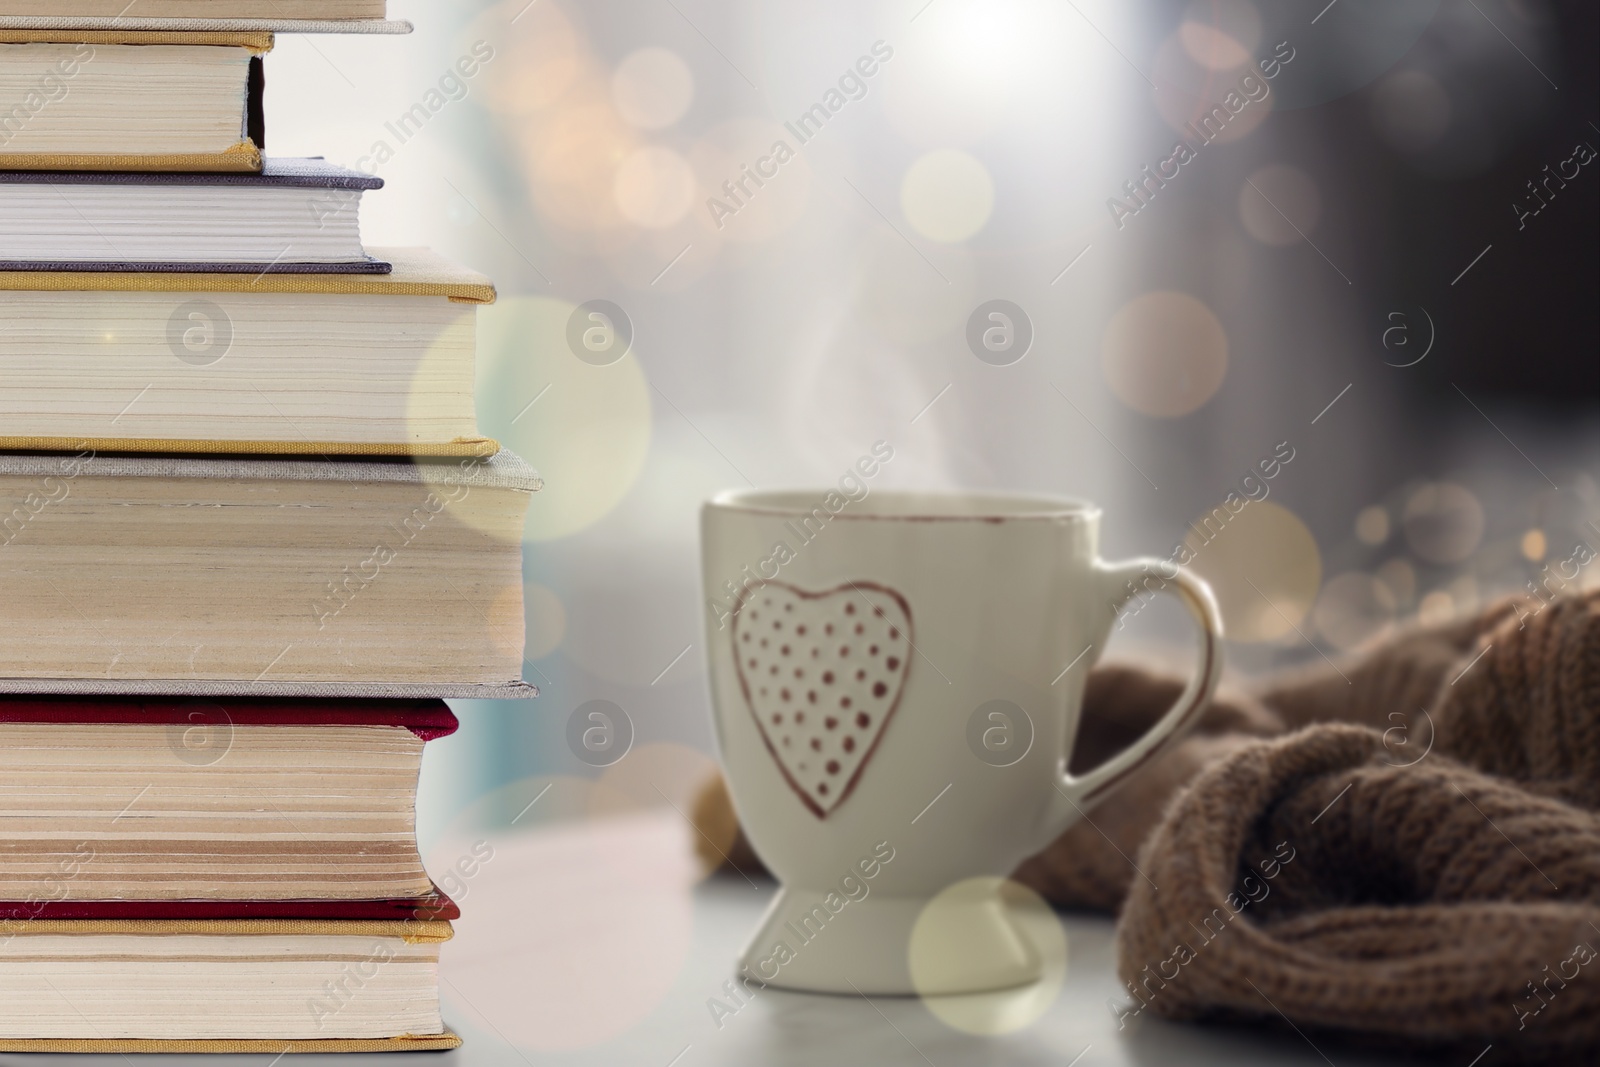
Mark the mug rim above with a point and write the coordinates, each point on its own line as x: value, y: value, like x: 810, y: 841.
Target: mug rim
x: 917, y: 505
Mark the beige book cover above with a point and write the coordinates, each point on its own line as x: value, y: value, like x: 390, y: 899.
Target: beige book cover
x: 243, y: 157
x: 257, y: 42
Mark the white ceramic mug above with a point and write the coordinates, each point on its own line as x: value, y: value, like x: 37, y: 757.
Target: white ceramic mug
x: 897, y: 680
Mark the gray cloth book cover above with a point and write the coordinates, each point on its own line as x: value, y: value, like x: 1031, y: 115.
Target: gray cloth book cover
x: 275, y: 173
x: 503, y: 470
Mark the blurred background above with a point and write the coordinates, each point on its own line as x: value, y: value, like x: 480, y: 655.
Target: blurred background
x: 1380, y: 262
x: 1383, y: 265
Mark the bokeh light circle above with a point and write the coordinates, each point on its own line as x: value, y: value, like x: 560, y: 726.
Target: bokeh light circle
x: 939, y: 945
x: 652, y: 88
x: 570, y: 163
x: 1221, y: 34
x: 1211, y: 48
x: 1443, y: 522
x: 1372, y: 525
x: 947, y: 195
x: 541, y: 57
x: 1202, y: 102
x: 654, y: 187
x: 1164, y: 354
x: 1436, y: 609
x: 588, y: 434
x: 1263, y: 565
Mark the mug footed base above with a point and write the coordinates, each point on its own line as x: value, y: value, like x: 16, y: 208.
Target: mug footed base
x: 965, y: 940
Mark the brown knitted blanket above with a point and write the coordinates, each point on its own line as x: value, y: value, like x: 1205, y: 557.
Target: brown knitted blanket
x: 1406, y: 846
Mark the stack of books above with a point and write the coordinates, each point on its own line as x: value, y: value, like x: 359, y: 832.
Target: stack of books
x: 250, y: 539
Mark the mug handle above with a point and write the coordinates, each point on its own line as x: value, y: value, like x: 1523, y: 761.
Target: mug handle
x: 1082, y: 793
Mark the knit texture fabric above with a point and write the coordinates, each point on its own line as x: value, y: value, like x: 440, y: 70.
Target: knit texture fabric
x: 1406, y: 846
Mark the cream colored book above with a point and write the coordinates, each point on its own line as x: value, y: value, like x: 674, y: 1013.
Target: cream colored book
x: 214, y: 809
x: 199, y: 23
x: 269, y: 986
x: 296, y: 216
x: 321, y: 364
x: 196, y: 9
x: 257, y: 577
x: 130, y: 100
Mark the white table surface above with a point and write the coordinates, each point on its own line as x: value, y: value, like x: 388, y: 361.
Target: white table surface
x: 596, y: 943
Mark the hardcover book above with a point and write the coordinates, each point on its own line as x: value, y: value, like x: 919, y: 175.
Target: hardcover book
x: 118, y: 804
x: 131, y: 100
x: 133, y: 575
x: 320, y: 364
x: 125, y: 11
x: 248, y: 985
x: 193, y: 24
x: 433, y: 906
x: 295, y: 216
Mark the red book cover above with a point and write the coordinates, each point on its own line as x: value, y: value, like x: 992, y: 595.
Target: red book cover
x: 428, y: 719
x: 431, y: 908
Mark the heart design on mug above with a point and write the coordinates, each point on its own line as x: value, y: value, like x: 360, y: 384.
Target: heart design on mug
x: 822, y: 673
